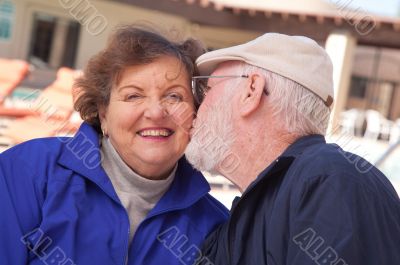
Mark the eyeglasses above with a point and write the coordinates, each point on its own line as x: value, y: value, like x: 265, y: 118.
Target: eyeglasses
x: 200, y: 87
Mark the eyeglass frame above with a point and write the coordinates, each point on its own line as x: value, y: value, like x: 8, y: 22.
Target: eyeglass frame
x: 195, y: 91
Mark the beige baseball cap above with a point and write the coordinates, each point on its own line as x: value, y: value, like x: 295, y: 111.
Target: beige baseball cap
x: 298, y: 58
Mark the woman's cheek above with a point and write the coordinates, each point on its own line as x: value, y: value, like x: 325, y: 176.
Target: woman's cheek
x: 184, y: 117
x: 189, y: 121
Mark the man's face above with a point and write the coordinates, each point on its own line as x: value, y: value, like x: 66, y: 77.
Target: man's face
x: 212, y: 133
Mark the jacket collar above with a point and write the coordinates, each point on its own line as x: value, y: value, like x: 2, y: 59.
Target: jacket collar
x: 82, y: 154
x: 284, y: 161
x: 298, y: 147
x: 188, y: 187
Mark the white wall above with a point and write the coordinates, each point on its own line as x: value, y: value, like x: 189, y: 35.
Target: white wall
x: 117, y: 13
x: 8, y: 49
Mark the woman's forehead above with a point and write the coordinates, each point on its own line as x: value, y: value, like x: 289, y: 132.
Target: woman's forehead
x: 165, y: 70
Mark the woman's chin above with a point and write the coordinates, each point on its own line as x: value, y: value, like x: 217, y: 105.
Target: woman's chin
x: 160, y: 158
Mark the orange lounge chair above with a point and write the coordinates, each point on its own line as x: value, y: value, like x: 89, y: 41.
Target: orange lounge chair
x: 11, y: 74
x: 28, y: 128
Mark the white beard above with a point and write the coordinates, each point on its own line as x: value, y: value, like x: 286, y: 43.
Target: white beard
x: 212, y: 138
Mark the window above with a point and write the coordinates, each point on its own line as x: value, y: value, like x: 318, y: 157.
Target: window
x: 43, y: 32
x: 6, y: 20
x: 54, y: 41
x: 358, y: 87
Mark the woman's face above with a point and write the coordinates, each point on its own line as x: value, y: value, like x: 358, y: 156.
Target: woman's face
x: 149, y: 116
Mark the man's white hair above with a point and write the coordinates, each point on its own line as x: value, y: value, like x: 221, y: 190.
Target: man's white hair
x: 301, y: 111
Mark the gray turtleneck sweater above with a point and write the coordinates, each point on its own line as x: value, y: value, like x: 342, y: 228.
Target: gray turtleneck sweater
x: 137, y: 194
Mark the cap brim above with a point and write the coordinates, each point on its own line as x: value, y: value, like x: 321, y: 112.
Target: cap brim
x: 207, y: 63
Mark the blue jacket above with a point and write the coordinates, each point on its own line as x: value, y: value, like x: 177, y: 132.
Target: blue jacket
x: 58, y: 206
x: 316, y: 204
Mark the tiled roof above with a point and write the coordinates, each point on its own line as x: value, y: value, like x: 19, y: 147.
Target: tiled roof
x: 320, y: 8
x: 316, y: 19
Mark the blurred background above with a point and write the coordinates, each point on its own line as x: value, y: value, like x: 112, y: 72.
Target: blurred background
x: 44, y: 44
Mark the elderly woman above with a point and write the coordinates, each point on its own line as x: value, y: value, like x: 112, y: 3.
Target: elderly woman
x: 119, y: 191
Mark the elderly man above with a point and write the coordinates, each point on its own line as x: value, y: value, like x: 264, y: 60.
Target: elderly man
x: 264, y: 113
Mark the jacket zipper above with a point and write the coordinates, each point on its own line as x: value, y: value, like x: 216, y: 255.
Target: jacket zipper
x: 125, y: 260
x: 127, y: 246
x: 150, y: 216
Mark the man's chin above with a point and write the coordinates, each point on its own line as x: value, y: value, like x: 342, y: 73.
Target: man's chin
x: 194, y: 159
x: 197, y: 158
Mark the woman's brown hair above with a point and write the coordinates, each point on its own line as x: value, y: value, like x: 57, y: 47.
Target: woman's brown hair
x: 129, y: 45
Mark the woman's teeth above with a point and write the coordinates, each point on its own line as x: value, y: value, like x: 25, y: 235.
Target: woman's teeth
x: 163, y: 133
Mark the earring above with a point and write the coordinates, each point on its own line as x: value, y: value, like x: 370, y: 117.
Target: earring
x: 104, y: 132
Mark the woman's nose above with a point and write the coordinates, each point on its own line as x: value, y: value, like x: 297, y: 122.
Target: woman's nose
x: 155, y: 110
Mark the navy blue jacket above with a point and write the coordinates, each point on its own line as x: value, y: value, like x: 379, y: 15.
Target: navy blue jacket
x: 316, y: 204
x: 58, y: 206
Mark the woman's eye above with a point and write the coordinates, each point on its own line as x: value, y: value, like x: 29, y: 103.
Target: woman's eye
x: 132, y: 97
x: 174, y: 97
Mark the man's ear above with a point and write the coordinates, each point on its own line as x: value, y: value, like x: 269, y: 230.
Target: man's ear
x: 251, y: 96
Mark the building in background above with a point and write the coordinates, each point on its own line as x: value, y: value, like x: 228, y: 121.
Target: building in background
x: 365, y: 48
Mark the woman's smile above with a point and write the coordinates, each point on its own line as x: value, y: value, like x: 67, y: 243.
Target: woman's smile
x: 156, y: 134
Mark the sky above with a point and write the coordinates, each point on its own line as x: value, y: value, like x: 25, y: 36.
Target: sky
x: 380, y: 7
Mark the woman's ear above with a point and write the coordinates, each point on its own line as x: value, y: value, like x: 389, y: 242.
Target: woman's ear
x: 103, y: 118
x: 251, y: 96
x: 102, y: 113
